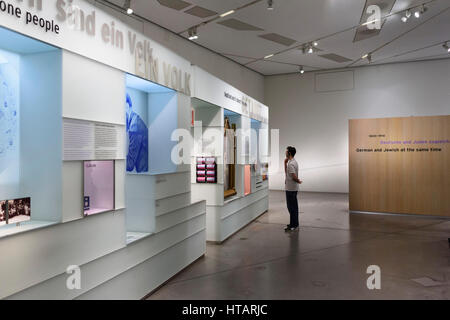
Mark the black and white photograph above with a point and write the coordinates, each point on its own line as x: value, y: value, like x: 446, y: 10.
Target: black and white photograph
x: 19, y: 210
x: 3, y: 210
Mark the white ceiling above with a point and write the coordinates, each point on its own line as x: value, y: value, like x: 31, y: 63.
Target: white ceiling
x: 305, y: 21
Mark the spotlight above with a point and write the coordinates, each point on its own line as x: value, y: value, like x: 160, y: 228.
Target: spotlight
x: 315, y: 43
x: 421, y: 11
x: 127, y: 6
x: 269, y: 56
x: 406, y: 16
x: 269, y: 4
x: 302, y: 70
x: 308, y: 48
x: 367, y: 56
x: 446, y: 47
x: 192, y: 33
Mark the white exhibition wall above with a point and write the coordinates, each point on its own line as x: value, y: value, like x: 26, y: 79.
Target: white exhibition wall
x: 91, y: 87
x: 316, y: 123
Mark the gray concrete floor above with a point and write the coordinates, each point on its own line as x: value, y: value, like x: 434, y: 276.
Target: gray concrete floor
x: 326, y: 259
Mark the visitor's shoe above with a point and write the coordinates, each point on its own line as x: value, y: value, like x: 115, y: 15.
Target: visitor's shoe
x: 289, y: 229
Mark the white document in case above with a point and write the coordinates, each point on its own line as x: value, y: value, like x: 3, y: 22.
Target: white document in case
x: 88, y: 140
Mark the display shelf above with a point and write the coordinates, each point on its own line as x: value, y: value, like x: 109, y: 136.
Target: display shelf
x: 231, y: 199
x: 13, y: 229
x: 136, y: 236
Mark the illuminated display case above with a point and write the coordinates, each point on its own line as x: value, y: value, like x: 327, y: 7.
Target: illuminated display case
x: 98, y: 187
x: 30, y: 138
x: 232, y: 121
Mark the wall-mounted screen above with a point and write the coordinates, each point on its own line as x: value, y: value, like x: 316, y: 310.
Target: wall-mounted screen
x: 98, y: 187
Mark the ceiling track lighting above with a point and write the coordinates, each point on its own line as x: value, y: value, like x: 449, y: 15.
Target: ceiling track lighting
x: 367, y: 56
x: 301, y: 70
x: 407, y: 15
x: 127, y: 7
x: 420, y: 11
x: 269, y: 4
x: 446, y: 47
x: 310, y: 47
x: 269, y: 56
x: 192, y: 34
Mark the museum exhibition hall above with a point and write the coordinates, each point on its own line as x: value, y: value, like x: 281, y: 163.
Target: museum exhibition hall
x: 225, y: 150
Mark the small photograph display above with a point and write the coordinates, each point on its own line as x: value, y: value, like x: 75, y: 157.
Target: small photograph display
x: 206, y: 170
x: 98, y: 187
x: 15, y: 211
x: 19, y: 210
x: 3, y: 212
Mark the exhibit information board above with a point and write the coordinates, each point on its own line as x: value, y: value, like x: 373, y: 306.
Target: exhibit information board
x: 87, y: 140
x: 400, y: 165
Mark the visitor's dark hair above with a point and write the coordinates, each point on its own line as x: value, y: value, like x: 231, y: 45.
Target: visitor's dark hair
x: 292, y: 151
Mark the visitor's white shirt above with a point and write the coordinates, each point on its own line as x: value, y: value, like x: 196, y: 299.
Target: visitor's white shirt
x: 292, y: 167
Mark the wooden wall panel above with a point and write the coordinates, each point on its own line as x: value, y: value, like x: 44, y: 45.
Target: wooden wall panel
x: 413, y: 177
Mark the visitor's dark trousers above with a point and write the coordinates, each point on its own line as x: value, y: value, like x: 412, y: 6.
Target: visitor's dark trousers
x: 292, y: 205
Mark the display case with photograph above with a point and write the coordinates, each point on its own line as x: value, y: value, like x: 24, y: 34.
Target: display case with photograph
x: 151, y: 117
x: 30, y: 137
x: 98, y: 187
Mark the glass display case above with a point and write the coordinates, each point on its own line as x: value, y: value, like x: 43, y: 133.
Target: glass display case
x: 98, y: 187
x: 231, y: 122
x: 30, y: 131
